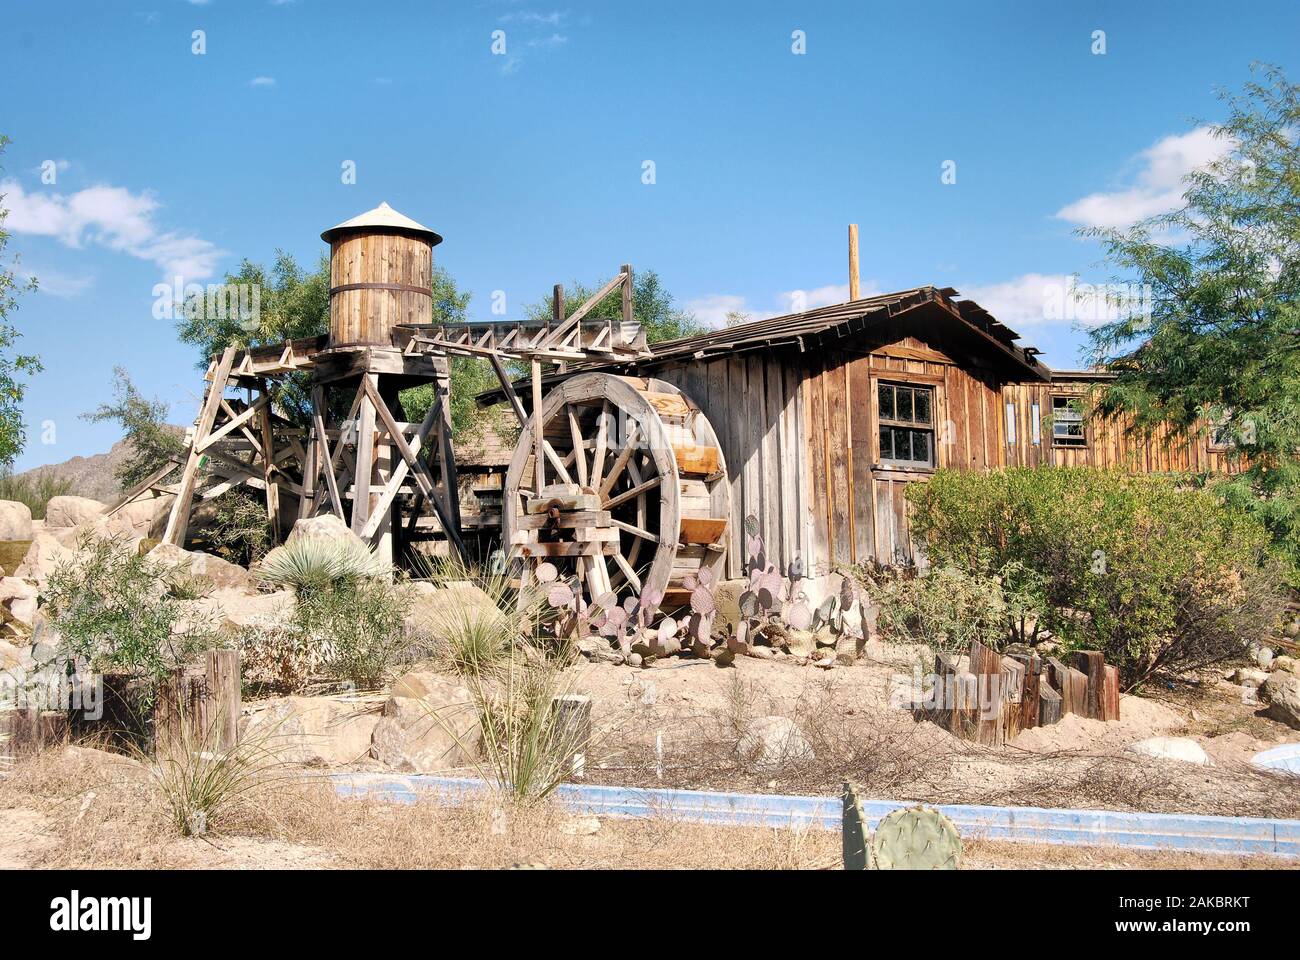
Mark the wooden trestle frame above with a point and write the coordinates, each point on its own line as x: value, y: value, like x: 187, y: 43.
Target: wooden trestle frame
x: 371, y: 466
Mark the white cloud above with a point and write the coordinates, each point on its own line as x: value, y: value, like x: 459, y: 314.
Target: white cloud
x: 532, y: 18
x: 712, y: 308
x: 57, y: 284
x: 262, y: 82
x: 1158, y: 185
x: 1046, y: 299
x: 111, y: 217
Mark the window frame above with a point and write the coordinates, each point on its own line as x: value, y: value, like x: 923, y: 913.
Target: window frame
x: 912, y: 425
x: 1067, y: 442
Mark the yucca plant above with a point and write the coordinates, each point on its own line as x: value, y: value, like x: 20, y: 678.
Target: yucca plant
x: 314, y: 563
x: 528, y: 747
x: 198, y: 782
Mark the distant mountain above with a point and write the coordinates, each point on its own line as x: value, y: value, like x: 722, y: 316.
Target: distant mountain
x: 93, y: 476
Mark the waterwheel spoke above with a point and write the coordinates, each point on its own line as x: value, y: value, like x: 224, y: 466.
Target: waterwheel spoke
x: 623, y: 457
x: 602, y: 438
x: 579, y: 455
x: 629, y: 574
x: 635, y: 530
x: 627, y: 495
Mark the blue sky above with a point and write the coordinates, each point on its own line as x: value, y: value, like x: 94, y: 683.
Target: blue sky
x: 530, y: 163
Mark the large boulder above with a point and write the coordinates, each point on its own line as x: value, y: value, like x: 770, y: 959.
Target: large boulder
x: 44, y: 555
x: 69, y: 511
x: 15, y: 520
x: 142, y: 518
x: 440, y: 611
x: 325, y: 527
x: 18, y: 599
x: 222, y: 574
x: 313, y: 731
x: 769, y: 744
x: 429, y: 724
x: 1281, y: 691
x: 238, y: 609
x: 1170, y: 748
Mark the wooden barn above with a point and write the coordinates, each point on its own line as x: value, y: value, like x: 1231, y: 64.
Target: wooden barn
x: 825, y: 417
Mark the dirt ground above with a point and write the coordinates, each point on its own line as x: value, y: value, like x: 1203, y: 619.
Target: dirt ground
x: 80, y: 808
x: 678, y: 724
x: 697, y: 712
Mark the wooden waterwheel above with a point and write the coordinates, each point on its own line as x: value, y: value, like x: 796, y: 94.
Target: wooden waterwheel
x: 634, y: 496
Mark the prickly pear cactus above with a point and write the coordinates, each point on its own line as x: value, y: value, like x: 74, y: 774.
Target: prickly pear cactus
x: 916, y: 839
x: 857, y: 845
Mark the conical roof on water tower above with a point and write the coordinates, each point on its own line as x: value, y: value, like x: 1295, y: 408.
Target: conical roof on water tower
x: 382, y: 219
x: 381, y: 265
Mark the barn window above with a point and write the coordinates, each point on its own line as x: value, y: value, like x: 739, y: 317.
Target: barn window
x: 1067, y: 423
x: 1035, y: 424
x: 906, y: 417
x: 1011, y: 424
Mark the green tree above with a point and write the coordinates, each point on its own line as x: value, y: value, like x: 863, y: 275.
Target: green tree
x: 15, y: 368
x: 1220, y: 342
x: 652, y: 306
x: 293, y: 303
x: 144, y: 422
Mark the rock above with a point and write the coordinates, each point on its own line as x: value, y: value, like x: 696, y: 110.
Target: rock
x: 314, y: 731
x: 1248, y: 677
x: 727, y: 597
x: 11, y: 658
x: 15, y: 520
x: 325, y: 527
x: 222, y: 574
x: 771, y: 743
x: 68, y: 511
x: 1288, y: 664
x: 438, y: 731
x: 443, y: 610
x: 1171, y: 748
x: 238, y: 609
x: 18, y: 597
x: 1281, y: 691
x: 42, y: 558
x: 1263, y: 657
x: 141, y: 518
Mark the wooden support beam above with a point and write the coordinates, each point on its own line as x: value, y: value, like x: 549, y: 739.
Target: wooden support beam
x: 178, y: 522
x: 365, y: 467
x: 854, y: 280
x: 148, y: 483
x: 447, y: 455
x: 508, y: 388
x: 417, y: 467
x: 236, y: 422
x: 400, y: 472
x: 539, y: 441
x: 268, y: 463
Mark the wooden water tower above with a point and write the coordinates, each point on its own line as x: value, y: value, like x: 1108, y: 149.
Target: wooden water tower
x: 381, y: 268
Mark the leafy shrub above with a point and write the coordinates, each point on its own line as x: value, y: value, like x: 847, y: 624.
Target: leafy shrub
x: 1156, y: 575
x: 240, y: 531
x: 947, y: 608
x: 316, y: 565
x: 36, y: 491
x: 278, y: 659
x: 358, y: 628
x: 112, y: 607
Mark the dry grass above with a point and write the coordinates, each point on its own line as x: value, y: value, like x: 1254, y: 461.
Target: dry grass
x: 81, y: 809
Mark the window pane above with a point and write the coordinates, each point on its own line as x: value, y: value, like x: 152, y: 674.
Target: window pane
x: 1037, y: 423
x: 920, y: 446
x: 886, y: 401
x: 902, y: 444
x: 886, y: 444
x: 923, y: 406
x: 904, y: 404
